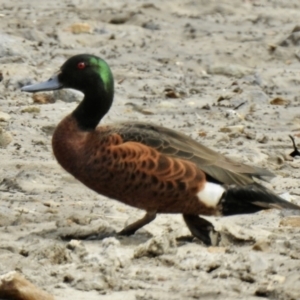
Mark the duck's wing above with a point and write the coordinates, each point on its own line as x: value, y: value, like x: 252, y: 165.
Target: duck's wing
x: 172, y: 143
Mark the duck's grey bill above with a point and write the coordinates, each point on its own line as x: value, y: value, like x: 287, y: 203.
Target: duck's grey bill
x: 50, y: 85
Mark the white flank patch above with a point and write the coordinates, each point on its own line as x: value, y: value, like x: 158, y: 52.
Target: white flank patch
x: 211, y: 194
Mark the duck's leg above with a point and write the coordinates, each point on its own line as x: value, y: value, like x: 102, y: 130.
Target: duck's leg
x: 199, y: 228
x: 132, y: 228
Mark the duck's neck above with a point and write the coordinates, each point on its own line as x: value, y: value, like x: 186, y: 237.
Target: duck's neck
x: 93, y: 107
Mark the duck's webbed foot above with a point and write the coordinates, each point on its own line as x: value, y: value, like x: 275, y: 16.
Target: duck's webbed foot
x: 132, y: 228
x: 201, y: 229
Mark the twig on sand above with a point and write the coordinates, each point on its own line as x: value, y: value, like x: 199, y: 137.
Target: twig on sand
x: 13, y: 286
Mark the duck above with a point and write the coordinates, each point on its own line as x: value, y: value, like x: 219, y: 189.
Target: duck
x: 146, y: 166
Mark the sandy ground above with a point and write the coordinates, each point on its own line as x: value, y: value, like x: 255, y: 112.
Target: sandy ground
x: 224, y: 72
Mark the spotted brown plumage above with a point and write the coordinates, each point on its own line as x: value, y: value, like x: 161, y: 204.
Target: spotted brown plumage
x: 129, y: 171
x: 146, y: 166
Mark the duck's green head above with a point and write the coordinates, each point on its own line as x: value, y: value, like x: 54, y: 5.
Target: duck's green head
x: 82, y: 72
x: 90, y: 75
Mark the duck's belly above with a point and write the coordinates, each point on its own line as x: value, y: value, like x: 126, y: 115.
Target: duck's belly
x: 163, y: 196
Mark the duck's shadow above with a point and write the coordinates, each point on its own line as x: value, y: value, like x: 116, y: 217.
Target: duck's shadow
x: 91, y: 233
x: 96, y: 233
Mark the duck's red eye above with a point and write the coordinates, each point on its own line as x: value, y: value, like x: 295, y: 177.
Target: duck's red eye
x: 81, y: 65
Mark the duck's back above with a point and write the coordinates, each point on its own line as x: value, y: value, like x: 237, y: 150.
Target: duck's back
x: 177, y: 145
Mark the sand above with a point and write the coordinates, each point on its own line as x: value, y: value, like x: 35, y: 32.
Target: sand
x: 223, y: 72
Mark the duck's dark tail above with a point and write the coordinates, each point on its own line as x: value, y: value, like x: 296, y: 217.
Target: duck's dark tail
x: 250, y: 199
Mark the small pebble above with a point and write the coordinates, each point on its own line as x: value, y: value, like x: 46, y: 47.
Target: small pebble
x: 31, y: 109
x: 5, y: 138
x: 4, y: 117
x: 159, y: 245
